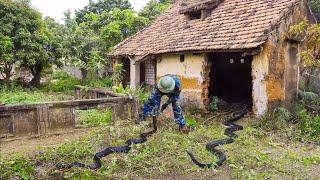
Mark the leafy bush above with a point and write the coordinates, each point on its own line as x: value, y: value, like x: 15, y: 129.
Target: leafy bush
x: 139, y: 92
x: 213, y: 106
x: 64, y: 85
x: 275, y: 120
x: 19, y: 167
x: 95, y: 117
x: 65, y: 82
x: 60, y: 75
x: 98, y: 82
x: 309, y: 124
x: 191, y: 121
x: 22, y: 96
x: 309, y: 97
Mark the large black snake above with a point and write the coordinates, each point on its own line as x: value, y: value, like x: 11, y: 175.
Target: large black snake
x: 118, y: 149
x: 231, y: 128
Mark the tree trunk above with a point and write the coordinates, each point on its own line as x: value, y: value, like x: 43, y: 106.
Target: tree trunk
x: 36, y: 72
x: 7, y: 74
x: 84, y: 74
x: 7, y: 78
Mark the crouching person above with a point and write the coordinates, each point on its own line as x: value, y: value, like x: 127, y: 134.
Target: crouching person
x: 169, y: 85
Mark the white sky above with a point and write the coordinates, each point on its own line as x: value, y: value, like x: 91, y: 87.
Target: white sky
x: 55, y: 8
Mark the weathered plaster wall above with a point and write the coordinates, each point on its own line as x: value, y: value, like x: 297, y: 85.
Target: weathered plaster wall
x: 275, y: 70
x: 190, y: 72
x: 260, y: 71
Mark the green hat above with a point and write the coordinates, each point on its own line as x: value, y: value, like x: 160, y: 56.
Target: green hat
x: 166, y: 84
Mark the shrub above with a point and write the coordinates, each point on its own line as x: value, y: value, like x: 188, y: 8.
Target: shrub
x: 19, y: 96
x: 95, y: 117
x: 275, y: 120
x: 213, y: 106
x: 190, y: 121
x: 309, y: 124
x: 60, y: 75
x: 99, y: 82
x: 18, y: 166
x: 139, y: 92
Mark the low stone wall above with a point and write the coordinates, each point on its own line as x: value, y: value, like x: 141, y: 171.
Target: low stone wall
x: 83, y: 92
x: 45, y: 118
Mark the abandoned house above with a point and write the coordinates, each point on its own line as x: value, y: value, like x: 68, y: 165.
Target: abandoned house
x: 233, y: 49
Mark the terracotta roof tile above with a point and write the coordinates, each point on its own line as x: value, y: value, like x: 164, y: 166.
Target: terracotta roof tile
x: 233, y: 24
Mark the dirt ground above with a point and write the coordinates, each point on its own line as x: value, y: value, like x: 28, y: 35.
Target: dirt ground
x: 30, y: 146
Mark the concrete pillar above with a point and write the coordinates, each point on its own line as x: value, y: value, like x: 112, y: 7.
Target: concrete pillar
x: 134, y: 74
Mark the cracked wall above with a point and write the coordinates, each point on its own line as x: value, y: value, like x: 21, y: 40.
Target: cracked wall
x: 189, y: 72
x: 275, y: 70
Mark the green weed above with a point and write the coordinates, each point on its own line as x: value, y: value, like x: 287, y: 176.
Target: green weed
x: 17, y: 166
x: 94, y: 117
x: 309, y: 124
x: 20, y: 96
x: 213, y: 106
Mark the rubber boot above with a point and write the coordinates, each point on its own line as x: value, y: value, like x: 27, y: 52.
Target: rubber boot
x: 184, y: 129
x: 140, y: 119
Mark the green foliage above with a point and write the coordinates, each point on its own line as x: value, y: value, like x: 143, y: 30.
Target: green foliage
x: 98, y: 7
x: 275, y: 120
x: 23, y: 96
x: 311, y: 35
x: 309, y: 97
x: 139, y: 92
x: 309, y: 124
x: 32, y: 40
x: 154, y: 8
x: 6, y: 56
x: 94, y: 117
x: 105, y: 82
x: 315, y: 5
x: 191, y: 121
x: 255, y: 154
x: 63, y: 85
x: 19, y: 167
x: 122, y: 24
x: 62, y: 82
x: 213, y: 106
x: 97, y: 32
x: 118, y: 73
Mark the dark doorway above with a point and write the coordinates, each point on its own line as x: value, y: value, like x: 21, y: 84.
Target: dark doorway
x: 142, y: 73
x: 126, y: 74
x: 230, y: 77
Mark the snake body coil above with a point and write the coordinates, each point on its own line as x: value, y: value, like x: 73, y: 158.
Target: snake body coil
x: 118, y: 149
x: 211, y: 146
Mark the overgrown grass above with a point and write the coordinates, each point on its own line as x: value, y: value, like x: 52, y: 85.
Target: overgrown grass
x: 60, y: 88
x: 301, y: 125
x: 256, y: 154
x: 18, y: 166
x: 94, y: 117
x: 22, y: 96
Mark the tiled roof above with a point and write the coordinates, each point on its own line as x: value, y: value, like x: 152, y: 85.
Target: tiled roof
x: 234, y: 24
x: 191, y: 5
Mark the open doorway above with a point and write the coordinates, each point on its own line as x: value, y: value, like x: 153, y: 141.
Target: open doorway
x: 230, y: 77
x: 142, y: 74
x: 126, y: 73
